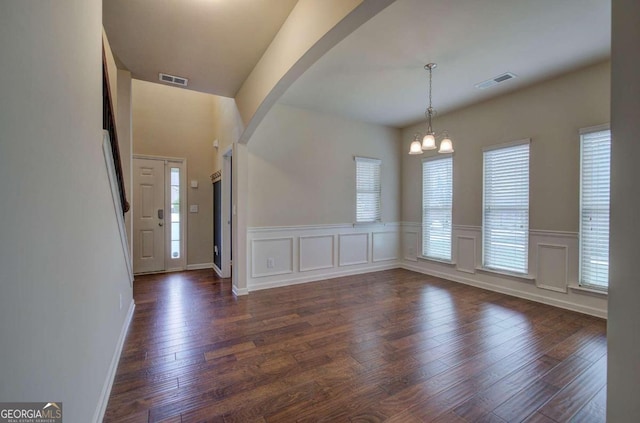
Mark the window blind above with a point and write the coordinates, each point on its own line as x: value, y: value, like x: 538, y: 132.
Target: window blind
x: 368, y: 190
x: 437, y: 198
x: 595, y: 176
x: 505, y: 220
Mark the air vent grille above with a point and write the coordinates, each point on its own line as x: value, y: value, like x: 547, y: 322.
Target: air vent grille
x: 172, y: 79
x: 495, y: 81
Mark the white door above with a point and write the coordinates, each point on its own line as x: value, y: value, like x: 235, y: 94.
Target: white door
x: 148, y: 214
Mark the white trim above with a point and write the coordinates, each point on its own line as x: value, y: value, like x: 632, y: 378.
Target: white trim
x: 515, y: 143
x: 322, y: 276
x: 367, y: 160
x: 261, y: 229
x: 596, y: 128
x: 404, y: 256
x: 437, y: 157
x: 467, y: 228
x: 115, y: 195
x: 524, y: 276
x: 437, y: 260
x: 558, y: 234
x: 98, y: 415
x: 373, y: 246
x: 475, y: 253
x: 541, y: 285
x: 200, y: 266
x: 226, y: 200
x: 353, y: 263
x: 584, y: 289
x: 218, y: 271
x: 508, y: 291
x: 255, y: 274
x: 239, y: 292
x: 162, y: 158
x: 406, y: 224
x: 300, y: 252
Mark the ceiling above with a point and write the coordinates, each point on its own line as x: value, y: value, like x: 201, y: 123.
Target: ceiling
x: 377, y: 73
x: 213, y: 43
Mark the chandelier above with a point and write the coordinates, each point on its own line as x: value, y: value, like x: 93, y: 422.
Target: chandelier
x: 429, y: 139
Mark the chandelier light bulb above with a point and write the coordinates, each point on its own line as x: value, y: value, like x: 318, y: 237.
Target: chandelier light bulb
x: 415, y: 148
x: 429, y: 142
x: 446, y: 146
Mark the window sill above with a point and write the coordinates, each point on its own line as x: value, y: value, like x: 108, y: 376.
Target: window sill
x: 437, y: 260
x: 507, y: 273
x: 584, y: 289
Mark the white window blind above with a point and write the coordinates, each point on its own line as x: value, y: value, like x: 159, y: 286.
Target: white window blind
x: 595, y: 175
x: 437, y: 198
x: 505, y: 219
x: 368, y: 190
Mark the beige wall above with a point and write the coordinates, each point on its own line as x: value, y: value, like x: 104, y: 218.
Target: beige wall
x: 228, y: 126
x: 175, y: 122
x: 550, y: 113
x: 64, y: 287
x: 623, y: 335
x: 301, y: 168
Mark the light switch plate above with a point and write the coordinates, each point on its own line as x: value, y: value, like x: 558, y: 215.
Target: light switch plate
x: 194, y: 183
x: 193, y: 208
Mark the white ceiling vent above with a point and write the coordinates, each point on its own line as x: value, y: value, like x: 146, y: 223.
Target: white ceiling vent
x: 495, y: 81
x: 172, y: 79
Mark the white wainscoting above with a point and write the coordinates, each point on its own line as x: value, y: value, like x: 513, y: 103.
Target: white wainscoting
x: 553, y: 267
x: 316, y: 252
x: 386, y: 246
x: 354, y: 249
x: 281, y: 256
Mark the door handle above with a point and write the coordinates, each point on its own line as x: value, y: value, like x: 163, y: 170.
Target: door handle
x: 160, y: 224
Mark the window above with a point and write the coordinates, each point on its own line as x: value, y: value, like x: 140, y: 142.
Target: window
x: 595, y: 167
x: 175, y: 212
x: 367, y: 190
x: 505, y: 218
x: 437, y: 198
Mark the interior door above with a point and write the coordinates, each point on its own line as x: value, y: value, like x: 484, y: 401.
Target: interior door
x: 148, y: 215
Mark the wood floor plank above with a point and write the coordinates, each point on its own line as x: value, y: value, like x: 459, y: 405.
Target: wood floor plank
x: 390, y: 346
x: 576, y: 394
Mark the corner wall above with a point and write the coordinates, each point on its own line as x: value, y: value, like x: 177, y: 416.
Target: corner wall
x: 301, y: 191
x: 65, y: 296
x: 551, y: 114
x: 624, y: 292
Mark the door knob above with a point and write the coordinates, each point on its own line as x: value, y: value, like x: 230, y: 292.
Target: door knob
x: 160, y: 224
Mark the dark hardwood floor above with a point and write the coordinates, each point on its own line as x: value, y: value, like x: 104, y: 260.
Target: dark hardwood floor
x: 392, y: 346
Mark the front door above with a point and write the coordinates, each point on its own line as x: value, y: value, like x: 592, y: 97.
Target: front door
x: 148, y: 214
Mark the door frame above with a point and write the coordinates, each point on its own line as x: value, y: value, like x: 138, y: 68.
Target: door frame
x: 170, y: 264
x: 226, y: 212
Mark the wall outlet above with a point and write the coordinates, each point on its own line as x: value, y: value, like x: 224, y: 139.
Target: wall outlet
x: 120, y: 301
x: 270, y: 263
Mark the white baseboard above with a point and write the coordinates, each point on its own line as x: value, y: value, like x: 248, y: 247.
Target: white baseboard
x: 508, y: 291
x: 98, y: 416
x: 324, y: 276
x: 199, y: 266
x: 217, y: 270
x: 239, y: 291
